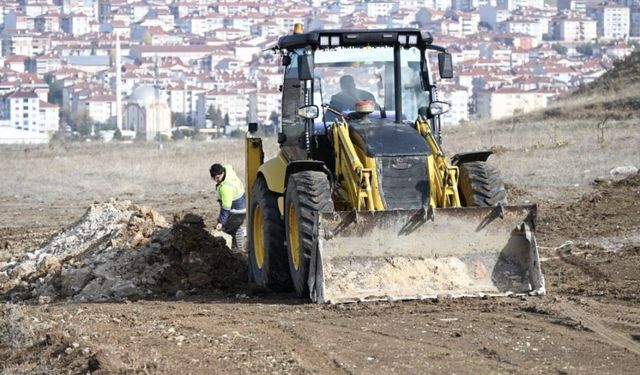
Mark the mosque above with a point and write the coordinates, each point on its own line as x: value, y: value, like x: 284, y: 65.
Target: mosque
x: 147, y: 113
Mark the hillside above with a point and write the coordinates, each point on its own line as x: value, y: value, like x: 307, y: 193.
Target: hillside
x: 624, y: 75
x: 613, y: 96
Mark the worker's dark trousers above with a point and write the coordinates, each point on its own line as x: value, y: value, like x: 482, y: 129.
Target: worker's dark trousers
x: 232, y: 226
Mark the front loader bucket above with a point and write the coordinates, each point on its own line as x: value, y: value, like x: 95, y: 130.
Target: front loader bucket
x: 412, y: 254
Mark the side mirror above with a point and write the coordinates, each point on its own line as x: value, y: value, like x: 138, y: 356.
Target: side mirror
x: 286, y: 60
x: 309, y: 112
x: 445, y: 65
x: 305, y: 67
x: 253, y: 127
x: 438, y: 108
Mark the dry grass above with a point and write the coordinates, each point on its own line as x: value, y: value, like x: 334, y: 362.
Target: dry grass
x: 72, y: 176
x: 547, y: 158
x: 102, y: 170
x: 551, y: 159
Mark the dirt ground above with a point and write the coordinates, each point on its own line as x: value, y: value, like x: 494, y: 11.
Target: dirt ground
x: 589, y: 322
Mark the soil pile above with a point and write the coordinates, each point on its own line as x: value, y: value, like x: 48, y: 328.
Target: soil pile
x: 120, y: 250
x: 611, y: 211
x: 593, y: 245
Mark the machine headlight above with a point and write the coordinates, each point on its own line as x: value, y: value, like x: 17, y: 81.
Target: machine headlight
x: 324, y: 40
x: 413, y: 40
x: 438, y: 108
x: 402, y: 39
x: 335, y: 40
x: 309, y: 111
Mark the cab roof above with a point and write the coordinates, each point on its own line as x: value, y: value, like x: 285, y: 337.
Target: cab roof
x: 354, y: 38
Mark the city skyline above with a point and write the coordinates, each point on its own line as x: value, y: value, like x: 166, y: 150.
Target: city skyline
x: 210, y: 64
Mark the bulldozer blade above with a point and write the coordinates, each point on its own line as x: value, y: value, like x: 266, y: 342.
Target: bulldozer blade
x: 415, y: 254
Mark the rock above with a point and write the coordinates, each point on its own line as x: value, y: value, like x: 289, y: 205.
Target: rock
x: 49, y: 264
x: 179, y: 294
x: 73, y: 280
x: 622, y: 172
x: 22, y: 270
x: 125, y: 288
x: 138, y: 239
x: 43, y: 300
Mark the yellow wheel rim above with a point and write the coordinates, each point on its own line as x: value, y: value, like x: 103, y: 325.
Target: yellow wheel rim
x: 294, y: 244
x: 258, y: 236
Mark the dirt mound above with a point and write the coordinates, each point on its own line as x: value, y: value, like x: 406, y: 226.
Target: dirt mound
x: 592, y: 247
x: 120, y: 250
x: 607, y: 212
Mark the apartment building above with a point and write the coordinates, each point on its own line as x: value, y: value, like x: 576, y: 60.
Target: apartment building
x: 507, y: 101
x: 231, y: 103
x: 458, y: 98
x: 184, y: 99
x: 634, y: 23
x: 612, y: 20
x: 23, y: 110
x: 101, y: 108
x: 573, y: 28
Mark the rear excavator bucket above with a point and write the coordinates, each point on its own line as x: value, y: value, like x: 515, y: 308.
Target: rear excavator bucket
x: 413, y: 254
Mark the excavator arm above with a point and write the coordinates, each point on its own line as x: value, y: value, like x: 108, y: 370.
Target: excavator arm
x: 444, y: 175
x: 353, y: 176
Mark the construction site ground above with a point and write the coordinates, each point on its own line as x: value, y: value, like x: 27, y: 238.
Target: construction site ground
x: 196, y: 314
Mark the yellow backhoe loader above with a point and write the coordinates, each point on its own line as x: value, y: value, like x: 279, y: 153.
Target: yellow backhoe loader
x: 361, y: 203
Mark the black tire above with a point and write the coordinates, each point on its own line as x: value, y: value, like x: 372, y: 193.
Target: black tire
x: 266, y: 251
x: 308, y: 193
x: 480, y: 185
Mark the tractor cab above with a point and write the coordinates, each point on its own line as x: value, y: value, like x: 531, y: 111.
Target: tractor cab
x: 369, y: 78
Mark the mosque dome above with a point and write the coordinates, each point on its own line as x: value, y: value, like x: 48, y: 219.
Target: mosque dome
x: 145, y: 95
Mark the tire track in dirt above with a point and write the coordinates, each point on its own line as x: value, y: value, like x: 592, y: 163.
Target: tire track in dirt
x: 306, y: 353
x: 595, y: 324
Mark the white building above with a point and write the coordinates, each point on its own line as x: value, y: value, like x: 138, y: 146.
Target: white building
x: 184, y: 99
x: 75, y: 24
x: 507, y: 102
x: 101, y: 108
x: 458, y: 98
x: 573, y: 28
x: 231, y: 103
x: 378, y: 8
x: 528, y: 26
x: 267, y: 100
x: 612, y: 20
x: 23, y: 110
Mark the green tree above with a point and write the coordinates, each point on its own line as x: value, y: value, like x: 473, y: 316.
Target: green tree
x: 585, y: 49
x: 177, y: 135
x: 55, y: 89
x: 117, y: 136
x: 211, y: 114
x: 178, y: 119
x: 562, y: 50
x: 83, y: 122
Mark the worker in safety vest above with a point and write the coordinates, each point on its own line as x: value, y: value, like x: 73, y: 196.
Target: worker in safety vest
x: 233, y: 203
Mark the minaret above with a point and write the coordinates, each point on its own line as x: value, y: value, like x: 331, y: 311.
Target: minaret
x: 118, y: 65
